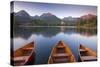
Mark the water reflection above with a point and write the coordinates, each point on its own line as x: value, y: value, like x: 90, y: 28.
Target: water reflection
x: 46, y: 37
x: 25, y: 32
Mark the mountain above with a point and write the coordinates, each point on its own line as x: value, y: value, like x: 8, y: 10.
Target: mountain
x: 22, y: 13
x: 50, y: 18
x: 46, y: 19
x: 70, y: 20
x: 88, y: 16
x: 22, y: 17
x: 46, y: 14
x: 35, y: 17
x: 88, y: 20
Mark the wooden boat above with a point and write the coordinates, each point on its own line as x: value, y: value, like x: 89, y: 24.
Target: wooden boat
x: 24, y: 55
x: 61, y: 53
x: 87, y: 54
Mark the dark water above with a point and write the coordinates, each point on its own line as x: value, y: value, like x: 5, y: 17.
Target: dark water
x: 46, y: 37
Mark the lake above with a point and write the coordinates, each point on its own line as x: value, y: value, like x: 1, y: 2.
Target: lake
x: 46, y: 38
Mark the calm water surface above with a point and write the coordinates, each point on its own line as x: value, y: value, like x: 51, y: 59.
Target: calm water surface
x: 46, y: 38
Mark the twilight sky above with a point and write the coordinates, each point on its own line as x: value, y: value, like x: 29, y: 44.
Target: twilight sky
x: 60, y: 10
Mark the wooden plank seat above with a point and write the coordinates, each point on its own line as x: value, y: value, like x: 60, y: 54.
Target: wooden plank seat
x: 89, y: 58
x: 22, y: 58
x: 60, y: 50
x: 61, y: 60
x: 60, y: 46
x: 82, y: 50
x: 30, y: 48
x: 21, y: 63
x: 61, y: 55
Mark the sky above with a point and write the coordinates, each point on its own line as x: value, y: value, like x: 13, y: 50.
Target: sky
x: 60, y: 10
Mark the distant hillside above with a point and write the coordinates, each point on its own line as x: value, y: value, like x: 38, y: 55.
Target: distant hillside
x: 48, y: 19
x: 87, y: 21
x: 70, y: 20
x: 88, y: 17
x: 22, y: 17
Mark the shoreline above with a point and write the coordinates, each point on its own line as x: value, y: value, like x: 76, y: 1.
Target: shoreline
x: 83, y: 27
x: 50, y: 26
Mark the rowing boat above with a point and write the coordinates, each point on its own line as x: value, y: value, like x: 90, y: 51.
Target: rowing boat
x: 87, y: 54
x: 24, y: 55
x: 61, y: 53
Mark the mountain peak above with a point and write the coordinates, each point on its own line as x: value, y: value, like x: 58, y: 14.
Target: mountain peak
x: 88, y: 16
x: 47, y: 14
x: 22, y: 13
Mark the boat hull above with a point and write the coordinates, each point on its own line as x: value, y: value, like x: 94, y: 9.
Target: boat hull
x: 61, y: 54
x: 24, y: 55
x: 86, y: 54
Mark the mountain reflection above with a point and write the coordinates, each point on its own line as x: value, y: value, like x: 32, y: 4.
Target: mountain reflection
x: 26, y: 32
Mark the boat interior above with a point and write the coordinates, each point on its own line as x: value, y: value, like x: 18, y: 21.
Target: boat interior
x: 21, y: 56
x: 86, y: 55
x: 60, y: 55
